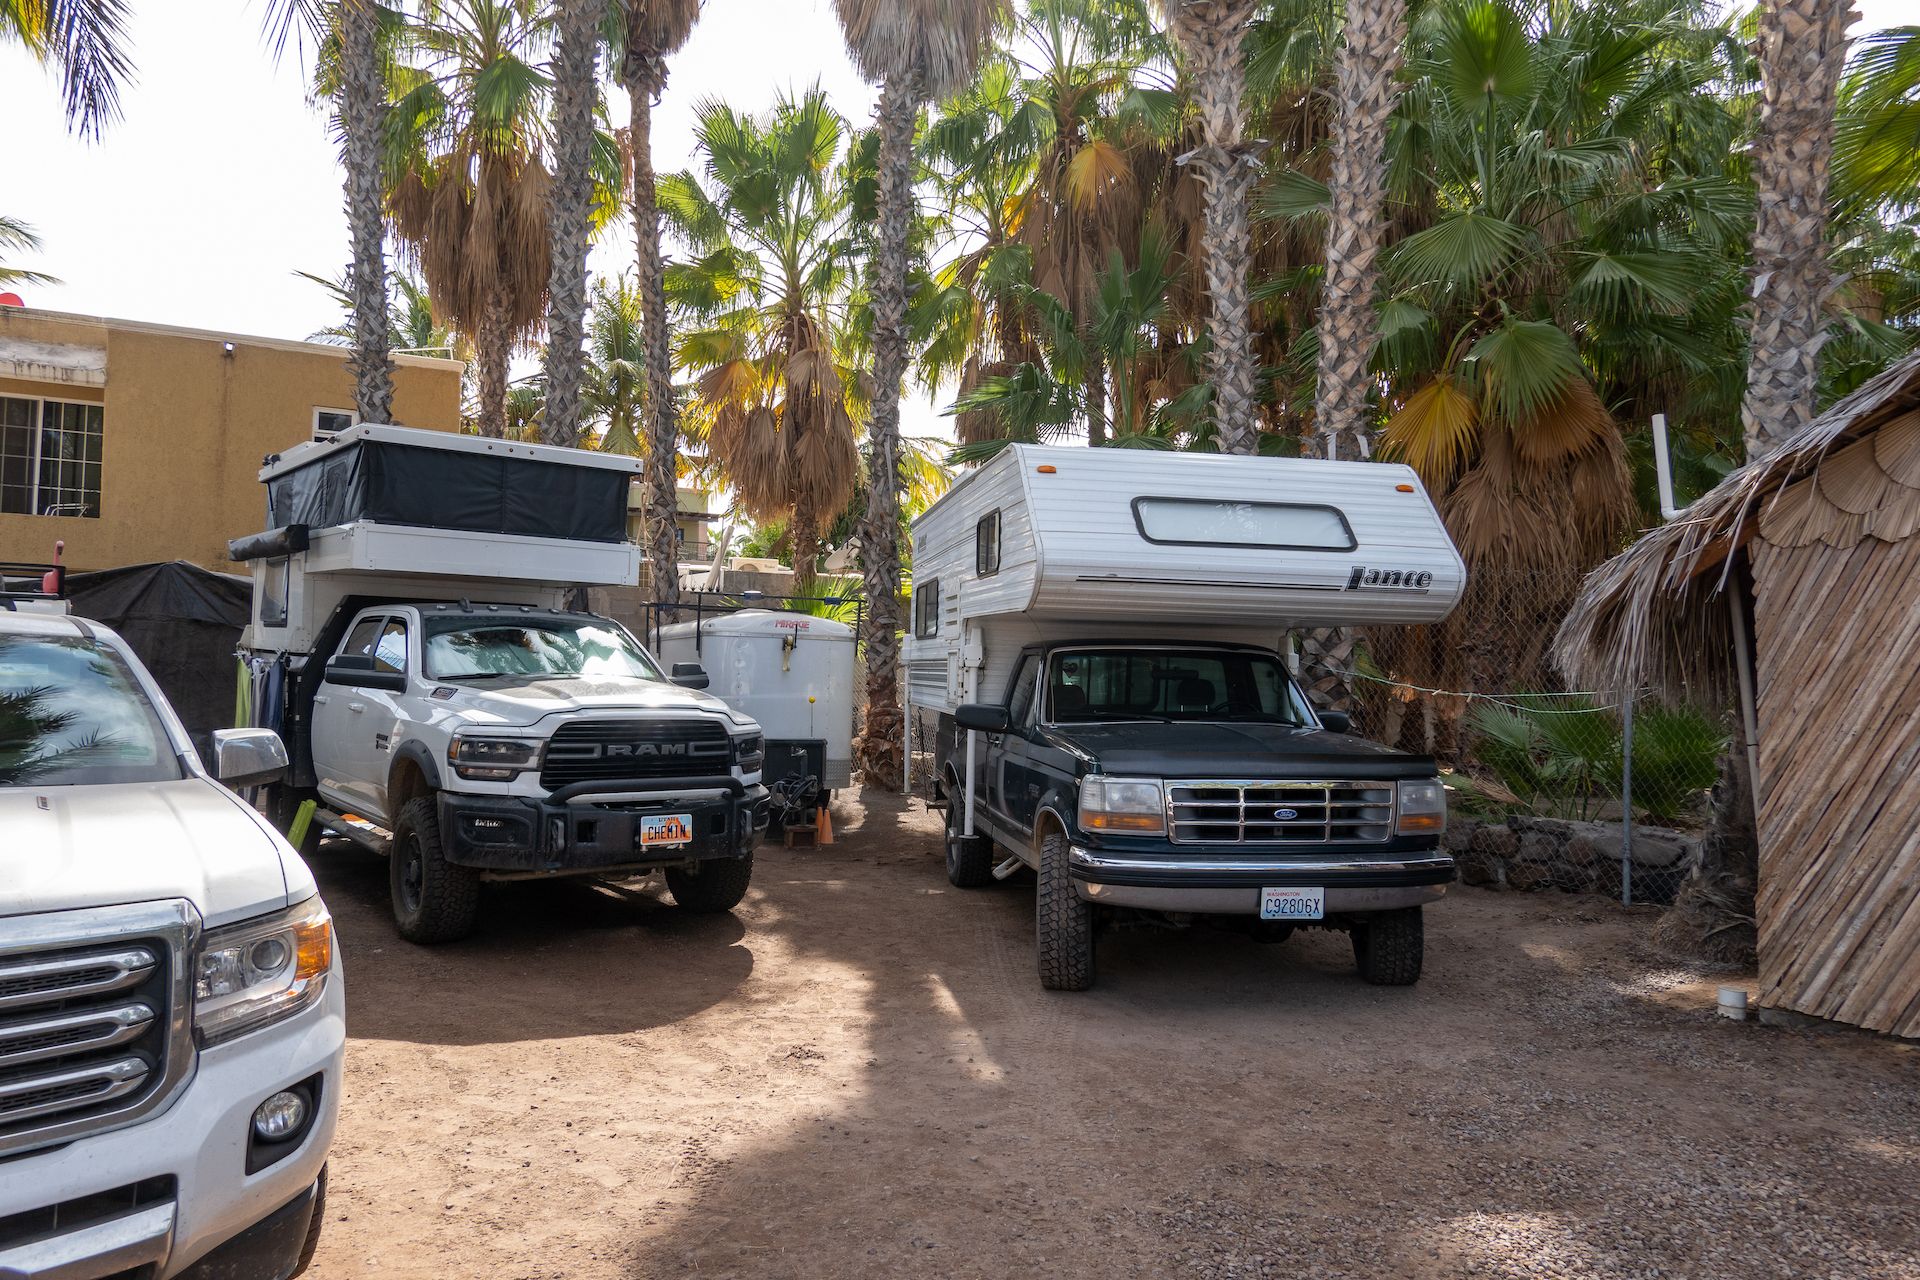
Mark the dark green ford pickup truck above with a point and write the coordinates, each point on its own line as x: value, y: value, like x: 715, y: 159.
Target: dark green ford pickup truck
x: 1190, y: 780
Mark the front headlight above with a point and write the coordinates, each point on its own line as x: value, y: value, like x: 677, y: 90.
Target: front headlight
x: 493, y: 759
x: 1423, y: 808
x: 1130, y: 806
x: 257, y: 972
x: 750, y: 752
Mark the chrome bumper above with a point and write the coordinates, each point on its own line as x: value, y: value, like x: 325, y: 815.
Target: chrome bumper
x: 138, y: 1239
x: 1093, y: 871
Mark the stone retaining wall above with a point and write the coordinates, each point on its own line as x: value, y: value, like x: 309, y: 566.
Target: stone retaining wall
x: 1576, y: 857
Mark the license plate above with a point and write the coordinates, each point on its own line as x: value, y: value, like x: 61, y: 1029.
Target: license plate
x: 665, y: 828
x: 1293, y: 904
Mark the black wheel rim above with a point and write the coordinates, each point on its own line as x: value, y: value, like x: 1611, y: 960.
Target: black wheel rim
x: 413, y: 874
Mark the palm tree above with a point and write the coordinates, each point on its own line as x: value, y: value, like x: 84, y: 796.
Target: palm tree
x: 353, y: 37
x: 766, y: 296
x: 469, y: 199
x: 85, y: 41
x: 1209, y: 34
x: 1365, y: 95
x: 918, y: 50
x: 655, y: 29
x: 18, y: 237
x: 1802, y: 50
x: 575, y: 92
x: 416, y: 330
x: 616, y: 376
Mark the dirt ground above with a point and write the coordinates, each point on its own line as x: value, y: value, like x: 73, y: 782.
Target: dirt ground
x: 857, y: 1074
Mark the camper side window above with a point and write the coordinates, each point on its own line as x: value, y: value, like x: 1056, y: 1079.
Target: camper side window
x: 986, y: 544
x: 1221, y: 522
x: 926, y: 609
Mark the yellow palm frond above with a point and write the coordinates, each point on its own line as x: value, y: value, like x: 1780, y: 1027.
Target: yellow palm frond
x: 1433, y: 432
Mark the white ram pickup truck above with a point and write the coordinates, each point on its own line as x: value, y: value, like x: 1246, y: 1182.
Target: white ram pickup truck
x: 171, y: 1009
x: 512, y: 742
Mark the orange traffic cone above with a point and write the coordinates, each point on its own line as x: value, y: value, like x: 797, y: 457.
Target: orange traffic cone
x: 825, y: 835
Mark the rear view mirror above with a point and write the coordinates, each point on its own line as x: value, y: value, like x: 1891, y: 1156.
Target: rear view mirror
x: 690, y: 675
x: 983, y: 716
x: 249, y: 757
x: 1336, y: 721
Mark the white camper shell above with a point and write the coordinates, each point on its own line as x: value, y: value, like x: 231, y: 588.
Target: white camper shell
x: 400, y: 513
x: 791, y: 672
x: 1044, y: 542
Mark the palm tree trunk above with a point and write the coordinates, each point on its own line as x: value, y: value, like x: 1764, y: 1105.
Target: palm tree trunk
x: 1802, y: 50
x: 491, y: 347
x: 879, y: 748
x: 1209, y: 33
x: 574, y: 57
x: 363, y: 107
x: 1366, y: 92
x: 1096, y: 402
x: 803, y: 532
x: 645, y: 74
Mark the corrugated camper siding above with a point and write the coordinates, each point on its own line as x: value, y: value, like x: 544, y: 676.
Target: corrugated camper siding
x: 1837, y: 633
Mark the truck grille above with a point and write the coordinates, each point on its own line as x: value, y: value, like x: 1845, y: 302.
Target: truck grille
x: 593, y: 750
x: 1280, y: 812
x: 93, y: 1027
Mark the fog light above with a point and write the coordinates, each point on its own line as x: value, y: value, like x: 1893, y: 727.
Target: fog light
x: 280, y: 1117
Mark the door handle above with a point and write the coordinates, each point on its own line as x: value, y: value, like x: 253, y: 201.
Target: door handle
x: 356, y: 707
x: 320, y: 699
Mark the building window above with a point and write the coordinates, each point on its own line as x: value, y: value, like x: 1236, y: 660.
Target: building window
x: 328, y: 423
x: 986, y: 544
x: 49, y: 457
x: 926, y: 609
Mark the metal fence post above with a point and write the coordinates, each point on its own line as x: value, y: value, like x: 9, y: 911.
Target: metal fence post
x: 1626, y: 804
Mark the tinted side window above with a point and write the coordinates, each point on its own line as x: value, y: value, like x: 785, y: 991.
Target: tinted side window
x: 926, y: 609
x: 1020, y: 705
x: 390, y: 651
x: 986, y: 544
x: 360, y: 640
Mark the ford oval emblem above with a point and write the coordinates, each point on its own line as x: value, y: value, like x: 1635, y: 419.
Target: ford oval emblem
x: 1286, y: 815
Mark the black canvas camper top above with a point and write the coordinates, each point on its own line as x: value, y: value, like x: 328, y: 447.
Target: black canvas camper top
x: 436, y: 479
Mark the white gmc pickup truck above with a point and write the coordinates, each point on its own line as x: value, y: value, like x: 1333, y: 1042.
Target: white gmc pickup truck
x: 171, y: 1008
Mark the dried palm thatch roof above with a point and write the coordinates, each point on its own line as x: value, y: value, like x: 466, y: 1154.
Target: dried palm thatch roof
x: 1653, y: 617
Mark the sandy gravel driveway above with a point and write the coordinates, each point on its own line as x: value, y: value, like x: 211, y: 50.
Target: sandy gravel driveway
x: 858, y: 1075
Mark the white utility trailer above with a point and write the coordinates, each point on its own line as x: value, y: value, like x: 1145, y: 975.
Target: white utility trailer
x: 1043, y: 543
x: 792, y: 672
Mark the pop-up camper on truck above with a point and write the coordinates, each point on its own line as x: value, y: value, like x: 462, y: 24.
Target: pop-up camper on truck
x: 1100, y: 630
x: 414, y: 642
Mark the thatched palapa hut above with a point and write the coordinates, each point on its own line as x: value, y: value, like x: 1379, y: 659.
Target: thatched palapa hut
x: 1817, y: 547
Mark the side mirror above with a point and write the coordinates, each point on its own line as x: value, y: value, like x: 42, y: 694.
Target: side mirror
x: 690, y: 675
x: 357, y: 670
x: 249, y: 757
x: 984, y: 716
x: 1336, y: 721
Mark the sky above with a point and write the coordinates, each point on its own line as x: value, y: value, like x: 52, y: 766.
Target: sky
x: 222, y: 180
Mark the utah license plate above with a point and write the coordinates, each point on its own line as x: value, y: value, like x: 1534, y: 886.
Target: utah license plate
x: 665, y: 828
x: 1293, y: 904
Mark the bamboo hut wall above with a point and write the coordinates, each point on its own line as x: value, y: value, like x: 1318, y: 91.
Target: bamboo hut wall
x: 1837, y: 635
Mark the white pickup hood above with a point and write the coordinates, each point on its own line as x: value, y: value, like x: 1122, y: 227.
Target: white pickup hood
x: 521, y: 703
x: 89, y: 846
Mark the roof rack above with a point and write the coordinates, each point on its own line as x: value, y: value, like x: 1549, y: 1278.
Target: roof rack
x: 41, y: 588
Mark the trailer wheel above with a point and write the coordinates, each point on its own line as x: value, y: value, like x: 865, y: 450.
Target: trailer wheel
x: 969, y: 858
x: 433, y: 900
x: 1063, y: 924
x: 1388, y: 947
x: 712, y: 886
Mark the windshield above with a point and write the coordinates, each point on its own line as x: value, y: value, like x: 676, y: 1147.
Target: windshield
x: 466, y: 649
x: 71, y: 712
x: 1172, y: 685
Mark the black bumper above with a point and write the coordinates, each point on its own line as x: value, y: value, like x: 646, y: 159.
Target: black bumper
x: 507, y: 833
x: 269, y: 1249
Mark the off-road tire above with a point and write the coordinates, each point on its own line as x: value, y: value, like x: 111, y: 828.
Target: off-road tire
x: 314, y: 1223
x: 1388, y: 947
x: 712, y: 886
x: 1063, y: 924
x: 969, y: 858
x: 433, y: 900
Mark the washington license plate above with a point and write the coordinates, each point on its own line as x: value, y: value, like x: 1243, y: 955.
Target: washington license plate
x: 1293, y: 904
x: 665, y: 828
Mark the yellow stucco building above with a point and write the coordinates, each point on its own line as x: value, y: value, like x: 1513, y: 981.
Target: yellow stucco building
x: 138, y: 442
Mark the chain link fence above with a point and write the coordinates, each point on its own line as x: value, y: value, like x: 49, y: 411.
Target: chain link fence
x: 1550, y: 787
